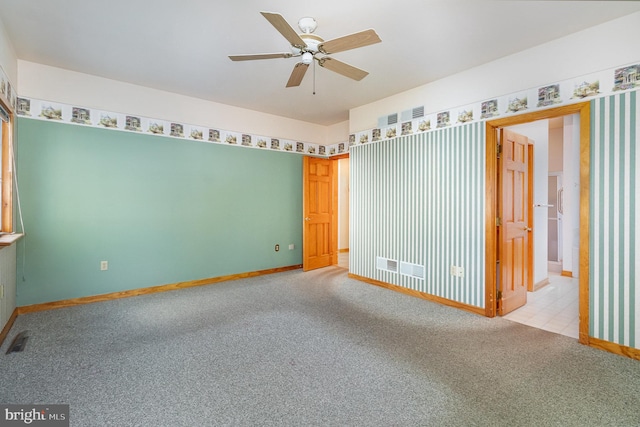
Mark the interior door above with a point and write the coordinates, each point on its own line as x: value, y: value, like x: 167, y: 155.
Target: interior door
x: 320, y: 231
x: 514, y: 226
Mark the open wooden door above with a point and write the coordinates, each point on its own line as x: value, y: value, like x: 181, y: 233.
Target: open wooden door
x: 513, y: 221
x: 320, y: 231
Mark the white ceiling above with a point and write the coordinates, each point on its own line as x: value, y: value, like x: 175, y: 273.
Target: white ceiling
x: 182, y: 46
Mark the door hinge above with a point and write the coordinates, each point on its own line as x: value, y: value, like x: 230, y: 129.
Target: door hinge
x: 498, y: 149
x: 498, y: 221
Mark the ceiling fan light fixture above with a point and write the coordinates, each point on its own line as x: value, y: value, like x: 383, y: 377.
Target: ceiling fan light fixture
x: 307, y: 45
x: 307, y: 58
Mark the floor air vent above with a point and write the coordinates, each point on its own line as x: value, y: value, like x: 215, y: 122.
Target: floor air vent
x: 387, y: 264
x: 19, y: 342
x: 413, y: 270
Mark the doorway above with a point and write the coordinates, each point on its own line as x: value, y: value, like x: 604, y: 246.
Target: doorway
x: 552, y: 298
x: 343, y: 212
x: 492, y: 127
x: 325, y: 213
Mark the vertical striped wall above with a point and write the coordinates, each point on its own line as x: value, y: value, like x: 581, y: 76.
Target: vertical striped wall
x: 420, y: 199
x: 615, y: 210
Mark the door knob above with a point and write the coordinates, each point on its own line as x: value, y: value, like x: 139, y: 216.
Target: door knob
x: 307, y: 219
x: 527, y: 229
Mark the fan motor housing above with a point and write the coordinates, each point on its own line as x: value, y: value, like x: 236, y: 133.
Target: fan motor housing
x: 312, y: 42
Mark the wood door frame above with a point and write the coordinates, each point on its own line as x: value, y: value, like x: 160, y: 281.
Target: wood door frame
x: 334, y: 214
x: 584, y: 110
x: 531, y: 248
x: 7, y: 171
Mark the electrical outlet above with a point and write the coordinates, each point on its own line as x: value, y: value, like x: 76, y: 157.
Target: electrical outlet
x: 104, y: 265
x: 1, y: 291
x: 457, y: 271
x: 277, y: 248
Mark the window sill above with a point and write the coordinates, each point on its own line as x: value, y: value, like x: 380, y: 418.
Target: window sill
x: 9, y: 239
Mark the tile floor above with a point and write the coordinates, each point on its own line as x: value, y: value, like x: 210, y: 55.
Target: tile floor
x: 553, y: 308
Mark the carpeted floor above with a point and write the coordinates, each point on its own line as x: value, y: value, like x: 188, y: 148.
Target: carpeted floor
x: 304, y: 349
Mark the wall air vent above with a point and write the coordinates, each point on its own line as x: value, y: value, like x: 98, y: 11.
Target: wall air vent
x: 386, y: 264
x: 389, y: 120
x: 414, y: 113
x: 413, y: 270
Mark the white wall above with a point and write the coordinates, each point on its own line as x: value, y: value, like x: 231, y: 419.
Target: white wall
x: 8, y: 60
x: 8, y: 279
x: 556, y: 149
x: 70, y: 87
x: 571, y: 185
x: 343, y: 204
x: 595, y: 49
x: 539, y: 133
x: 338, y: 132
x: 564, y: 156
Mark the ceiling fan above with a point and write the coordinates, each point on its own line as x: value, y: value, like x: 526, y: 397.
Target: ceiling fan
x: 309, y: 46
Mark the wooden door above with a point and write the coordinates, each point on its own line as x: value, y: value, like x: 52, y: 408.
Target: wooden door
x: 320, y: 231
x: 514, y: 226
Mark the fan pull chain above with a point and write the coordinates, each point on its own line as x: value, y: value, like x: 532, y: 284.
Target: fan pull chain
x: 314, y: 77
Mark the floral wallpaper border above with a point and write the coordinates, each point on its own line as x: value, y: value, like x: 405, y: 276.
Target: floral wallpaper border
x: 7, y: 91
x: 596, y: 85
x: 78, y: 115
x: 570, y: 91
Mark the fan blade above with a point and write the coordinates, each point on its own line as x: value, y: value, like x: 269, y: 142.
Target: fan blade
x: 352, y: 41
x: 284, y: 28
x: 259, y: 56
x: 297, y: 74
x: 342, y: 68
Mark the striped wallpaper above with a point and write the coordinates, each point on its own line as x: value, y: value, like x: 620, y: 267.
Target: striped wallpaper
x: 615, y: 238
x: 420, y: 199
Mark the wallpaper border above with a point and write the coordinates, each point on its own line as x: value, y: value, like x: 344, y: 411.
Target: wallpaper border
x: 78, y: 115
x: 7, y: 91
x: 578, y: 89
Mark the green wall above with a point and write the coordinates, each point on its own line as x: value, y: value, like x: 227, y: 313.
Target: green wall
x: 159, y: 210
